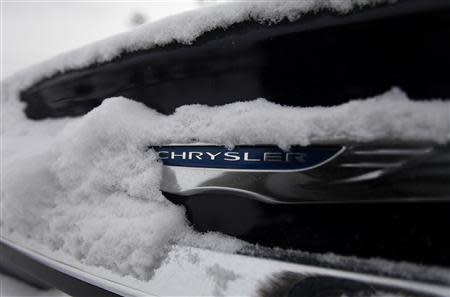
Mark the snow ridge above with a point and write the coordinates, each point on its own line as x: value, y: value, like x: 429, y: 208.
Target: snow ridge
x: 90, y: 186
x: 183, y: 28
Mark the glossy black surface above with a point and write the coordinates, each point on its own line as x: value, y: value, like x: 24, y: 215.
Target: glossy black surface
x: 414, y: 232
x: 322, y: 59
x: 44, y: 276
x: 321, y: 286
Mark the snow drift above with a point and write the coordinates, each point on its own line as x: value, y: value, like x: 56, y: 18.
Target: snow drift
x: 92, y: 190
x: 90, y: 187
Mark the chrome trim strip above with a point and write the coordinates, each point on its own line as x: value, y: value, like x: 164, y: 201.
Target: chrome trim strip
x: 339, y: 179
x: 87, y: 277
x: 181, y: 271
x: 400, y: 152
x: 338, y: 153
x: 372, y: 165
x: 250, y: 194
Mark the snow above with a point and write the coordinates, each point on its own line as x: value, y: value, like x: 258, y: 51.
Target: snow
x: 184, y: 28
x: 66, y: 25
x: 248, y: 276
x: 89, y: 187
x: 222, y: 277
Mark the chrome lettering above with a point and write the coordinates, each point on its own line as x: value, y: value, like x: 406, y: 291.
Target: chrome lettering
x: 247, y: 158
x: 197, y: 155
x: 173, y: 155
x: 299, y: 157
x: 231, y: 156
x: 273, y: 157
x: 160, y: 155
x: 213, y: 156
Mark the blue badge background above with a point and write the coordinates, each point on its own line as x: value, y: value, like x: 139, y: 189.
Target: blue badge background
x: 312, y: 157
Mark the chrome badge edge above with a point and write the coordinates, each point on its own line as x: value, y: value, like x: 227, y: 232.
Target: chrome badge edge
x: 257, y: 158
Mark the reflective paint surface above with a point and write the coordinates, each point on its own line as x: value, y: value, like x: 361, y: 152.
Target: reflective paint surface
x: 311, y: 174
x: 186, y: 269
